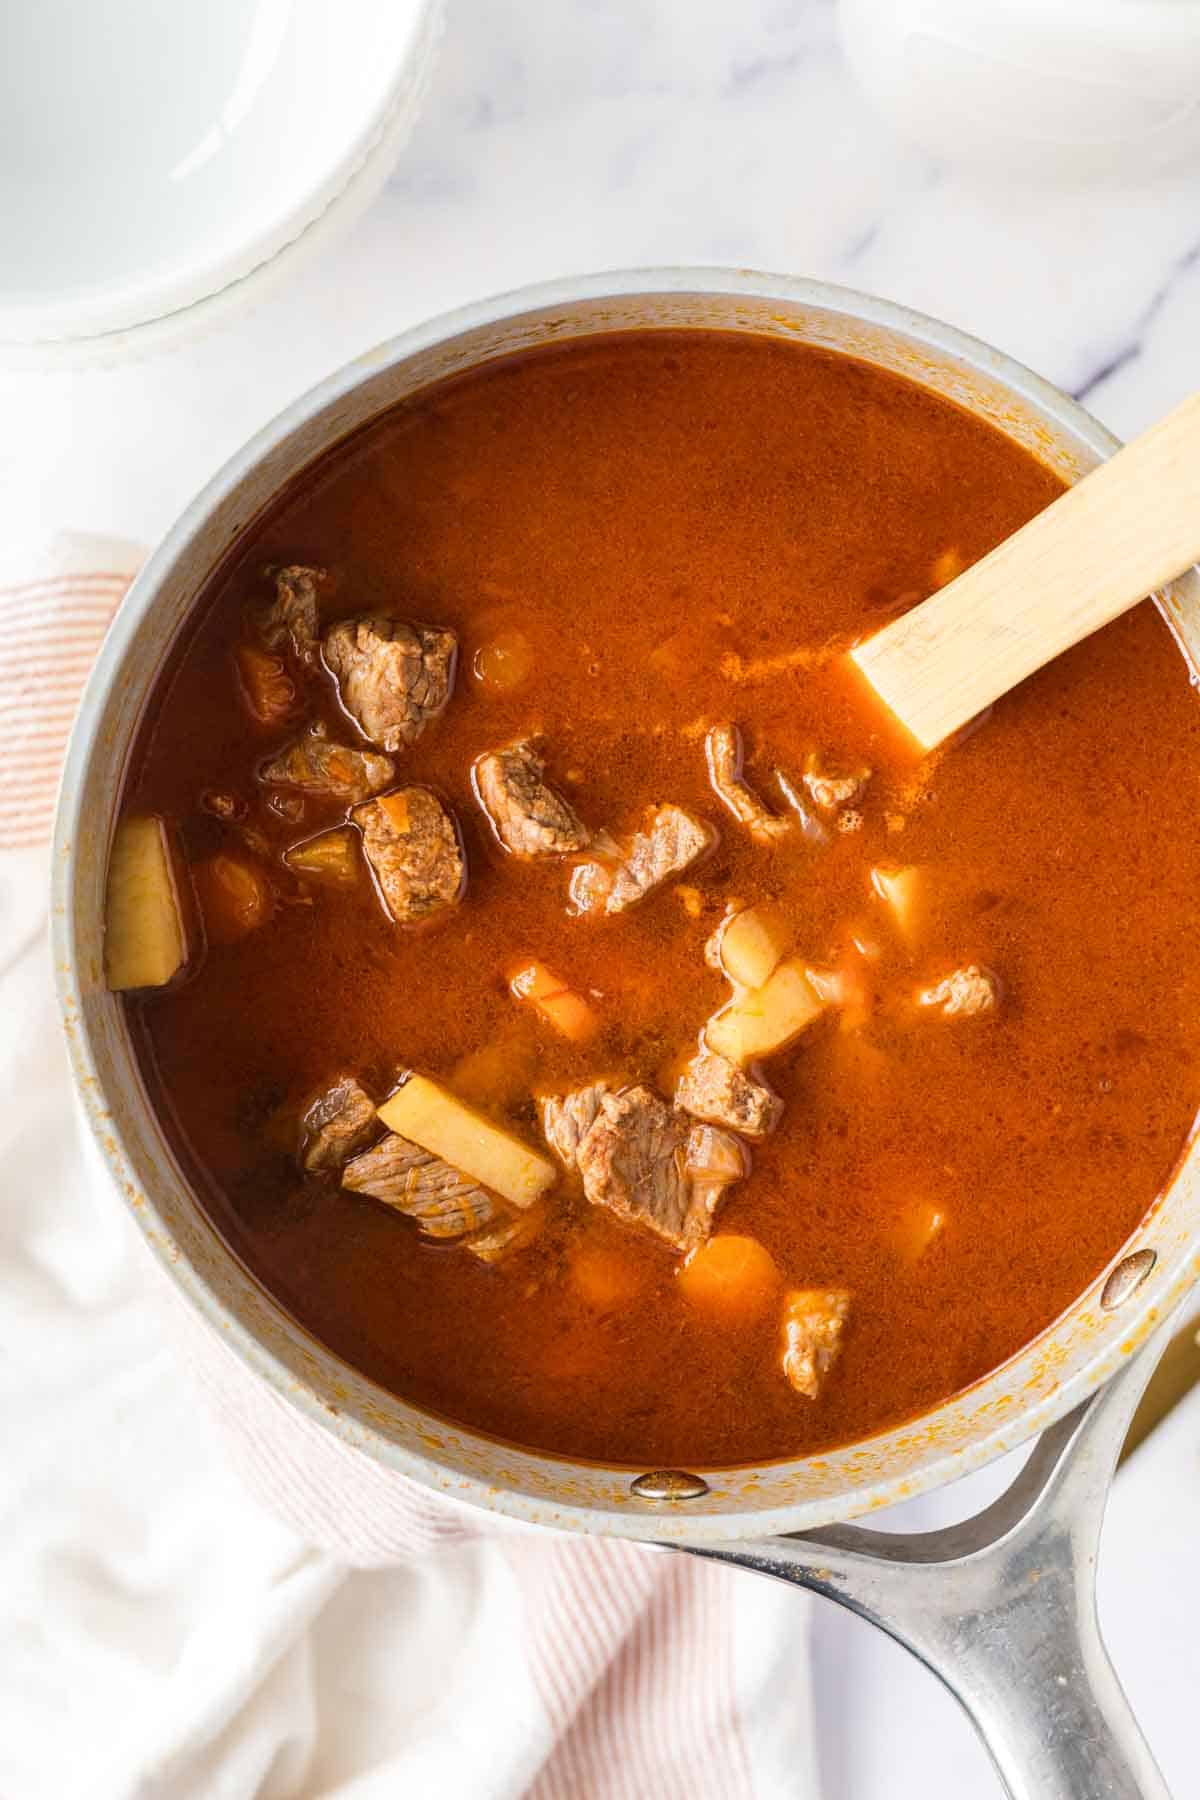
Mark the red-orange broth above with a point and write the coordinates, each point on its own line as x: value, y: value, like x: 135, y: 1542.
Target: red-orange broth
x: 665, y: 519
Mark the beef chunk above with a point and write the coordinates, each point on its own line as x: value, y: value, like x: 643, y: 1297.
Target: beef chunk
x: 715, y: 1160
x: 444, y: 1202
x: 337, y: 1125
x: 811, y: 828
x: 528, y: 817
x: 714, y: 1089
x: 393, y: 677
x: 814, y: 1320
x: 229, y: 808
x: 632, y: 1161
x: 723, y: 748
x: 319, y: 765
x: 832, y: 787
x: 671, y: 842
x: 590, y: 886
x: 292, y: 617
x: 412, y: 844
x: 646, y: 1163
x: 566, y: 1120
x: 964, y: 994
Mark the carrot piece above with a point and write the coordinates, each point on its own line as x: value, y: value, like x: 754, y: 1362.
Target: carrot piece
x: 731, y: 1275
x: 235, y: 897
x: 397, y: 810
x: 602, y: 1276
x: 267, y: 688
x: 559, y: 1005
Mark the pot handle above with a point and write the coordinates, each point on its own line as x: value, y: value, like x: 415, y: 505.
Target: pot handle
x: 1002, y: 1607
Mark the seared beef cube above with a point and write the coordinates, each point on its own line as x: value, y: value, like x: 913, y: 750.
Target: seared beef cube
x: 393, y: 677
x: 293, y: 617
x: 714, y: 1089
x: 631, y: 1161
x: 648, y: 1164
x: 723, y: 748
x: 319, y: 765
x: 567, y: 1119
x: 444, y: 1202
x: 963, y: 994
x: 814, y: 1320
x: 412, y: 844
x: 337, y: 1125
x: 671, y: 842
x: 715, y: 1159
x: 528, y: 817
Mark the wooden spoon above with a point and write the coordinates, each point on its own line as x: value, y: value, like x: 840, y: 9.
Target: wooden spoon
x: 1123, y: 531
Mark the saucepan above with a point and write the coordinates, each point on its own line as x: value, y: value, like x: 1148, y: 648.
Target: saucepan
x: 1002, y: 1607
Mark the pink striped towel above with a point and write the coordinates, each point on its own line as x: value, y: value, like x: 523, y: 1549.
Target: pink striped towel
x: 649, y: 1672
x: 52, y: 619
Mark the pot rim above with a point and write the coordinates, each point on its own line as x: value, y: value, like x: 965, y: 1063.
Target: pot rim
x: 998, y: 1431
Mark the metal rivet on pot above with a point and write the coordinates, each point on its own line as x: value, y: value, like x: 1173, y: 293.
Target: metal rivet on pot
x: 668, y: 1484
x: 1127, y: 1278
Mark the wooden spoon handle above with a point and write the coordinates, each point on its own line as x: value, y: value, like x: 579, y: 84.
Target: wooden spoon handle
x: 1127, y: 528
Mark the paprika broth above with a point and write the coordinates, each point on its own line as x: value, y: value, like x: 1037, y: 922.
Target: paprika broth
x: 563, y: 994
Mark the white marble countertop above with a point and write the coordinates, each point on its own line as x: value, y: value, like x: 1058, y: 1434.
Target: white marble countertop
x: 585, y: 136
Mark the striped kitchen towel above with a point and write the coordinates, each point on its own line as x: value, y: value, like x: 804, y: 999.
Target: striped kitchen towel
x: 56, y: 600
x: 214, y: 1643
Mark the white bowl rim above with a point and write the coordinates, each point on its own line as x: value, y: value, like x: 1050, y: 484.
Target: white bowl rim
x: 96, y: 335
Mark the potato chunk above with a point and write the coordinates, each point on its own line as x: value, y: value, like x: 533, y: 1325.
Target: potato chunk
x: 902, y: 891
x: 751, y: 944
x: 439, y: 1121
x: 766, y: 1018
x: 144, y: 939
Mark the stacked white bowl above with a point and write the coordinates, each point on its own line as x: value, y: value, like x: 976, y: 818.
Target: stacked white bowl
x: 160, y: 163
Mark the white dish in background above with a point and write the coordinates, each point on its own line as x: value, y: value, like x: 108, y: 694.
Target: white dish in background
x: 1051, y: 89
x: 154, y: 158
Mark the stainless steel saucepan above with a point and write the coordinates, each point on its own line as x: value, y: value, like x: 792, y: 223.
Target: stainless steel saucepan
x: 1002, y: 1608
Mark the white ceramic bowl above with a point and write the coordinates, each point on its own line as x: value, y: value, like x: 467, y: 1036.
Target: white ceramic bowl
x: 156, y: 160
